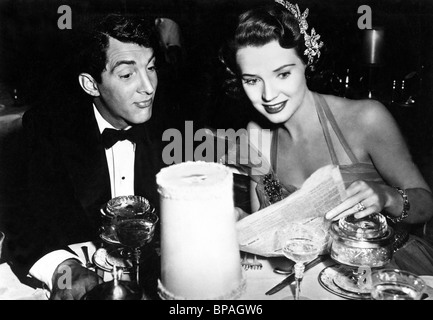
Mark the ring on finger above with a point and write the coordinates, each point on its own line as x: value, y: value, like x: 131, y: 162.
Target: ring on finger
x: 360, y: 206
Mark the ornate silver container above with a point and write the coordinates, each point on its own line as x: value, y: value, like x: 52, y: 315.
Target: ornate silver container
x: 362, y: 242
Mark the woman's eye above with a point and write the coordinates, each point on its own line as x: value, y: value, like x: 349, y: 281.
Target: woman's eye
x: 284, y: 75
x: 250, y: 81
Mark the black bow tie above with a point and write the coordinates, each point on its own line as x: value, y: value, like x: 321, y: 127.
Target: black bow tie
x: 111, y: 136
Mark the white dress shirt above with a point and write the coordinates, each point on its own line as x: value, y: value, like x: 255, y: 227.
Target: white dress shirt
x: 120, y: 161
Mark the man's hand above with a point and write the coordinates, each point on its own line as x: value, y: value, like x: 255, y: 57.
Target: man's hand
x: 72, y: 280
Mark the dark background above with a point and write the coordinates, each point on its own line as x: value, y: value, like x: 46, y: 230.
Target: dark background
x: 35, y: 55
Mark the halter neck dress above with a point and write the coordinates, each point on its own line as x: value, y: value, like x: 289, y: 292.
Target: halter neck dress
x: 356, y: 170
x: 412, y: 253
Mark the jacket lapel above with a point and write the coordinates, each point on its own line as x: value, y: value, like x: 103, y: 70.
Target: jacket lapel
x: 85, y: 160
x: 147, y: 164
x: 87, y: 164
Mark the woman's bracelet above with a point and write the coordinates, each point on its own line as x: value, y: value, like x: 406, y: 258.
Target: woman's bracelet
x: 406, y: 207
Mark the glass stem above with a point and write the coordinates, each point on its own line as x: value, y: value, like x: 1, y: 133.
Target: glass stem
x: 299, y: 273
x: 137, y: 254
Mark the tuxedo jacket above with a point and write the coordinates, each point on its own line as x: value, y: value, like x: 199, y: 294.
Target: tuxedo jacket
x: 68, y: 178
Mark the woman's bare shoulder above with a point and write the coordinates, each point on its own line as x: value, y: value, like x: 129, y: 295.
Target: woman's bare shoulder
x: 340, y: 102
x: 364, y: 112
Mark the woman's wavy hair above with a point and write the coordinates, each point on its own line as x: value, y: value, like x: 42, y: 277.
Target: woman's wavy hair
x: 257, y: 27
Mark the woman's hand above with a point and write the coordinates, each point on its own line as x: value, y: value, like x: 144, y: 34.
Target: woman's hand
x: 239, y: 214
x: 363, y: 199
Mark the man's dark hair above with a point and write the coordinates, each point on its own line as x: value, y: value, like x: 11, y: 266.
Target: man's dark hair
x: 129, y: 29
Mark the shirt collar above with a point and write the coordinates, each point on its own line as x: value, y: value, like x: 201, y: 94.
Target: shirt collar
x: 102, y: 123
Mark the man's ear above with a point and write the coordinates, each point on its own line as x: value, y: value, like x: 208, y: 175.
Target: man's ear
x: 88, y: 84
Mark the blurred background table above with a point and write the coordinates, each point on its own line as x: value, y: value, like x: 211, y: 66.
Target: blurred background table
x: 12, y: 157
x: 11, y: 111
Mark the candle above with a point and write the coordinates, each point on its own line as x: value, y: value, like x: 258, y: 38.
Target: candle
x: 200, y: 256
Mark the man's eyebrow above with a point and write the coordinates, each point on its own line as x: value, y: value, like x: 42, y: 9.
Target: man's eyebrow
x: 129, y: 62
x: 120, y: 62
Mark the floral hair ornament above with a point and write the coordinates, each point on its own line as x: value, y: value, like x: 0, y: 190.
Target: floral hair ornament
x: 312, y: 40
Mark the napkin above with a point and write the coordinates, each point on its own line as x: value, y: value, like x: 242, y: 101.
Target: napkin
x: 12, y: 289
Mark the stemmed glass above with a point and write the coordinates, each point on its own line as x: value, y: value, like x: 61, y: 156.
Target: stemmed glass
x: 395, y: 284
x: 302, y: 243
x: 135, y: 231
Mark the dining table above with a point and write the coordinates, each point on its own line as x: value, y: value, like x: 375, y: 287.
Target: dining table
x: 316, y: 284
x: 258, y: 281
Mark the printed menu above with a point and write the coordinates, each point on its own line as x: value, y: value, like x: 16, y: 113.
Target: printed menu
x: 322, y: 191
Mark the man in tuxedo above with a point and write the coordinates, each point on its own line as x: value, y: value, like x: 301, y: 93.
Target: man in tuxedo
x: 75, y: 162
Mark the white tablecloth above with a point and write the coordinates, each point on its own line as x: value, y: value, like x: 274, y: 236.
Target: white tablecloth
x: 258, y: 282
x: 12, y: 289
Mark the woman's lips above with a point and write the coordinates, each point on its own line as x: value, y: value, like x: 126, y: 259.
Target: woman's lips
x: 144, y: 104
x: 275, y: 108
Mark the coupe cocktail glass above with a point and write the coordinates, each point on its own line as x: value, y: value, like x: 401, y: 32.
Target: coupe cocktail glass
x: 134, y: 232
x: 302, y: 243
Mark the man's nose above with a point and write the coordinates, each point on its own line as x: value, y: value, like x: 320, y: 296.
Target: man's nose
x: 146, y: 85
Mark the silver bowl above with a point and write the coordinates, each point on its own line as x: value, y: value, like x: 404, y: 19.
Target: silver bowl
x: 362, y: 242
